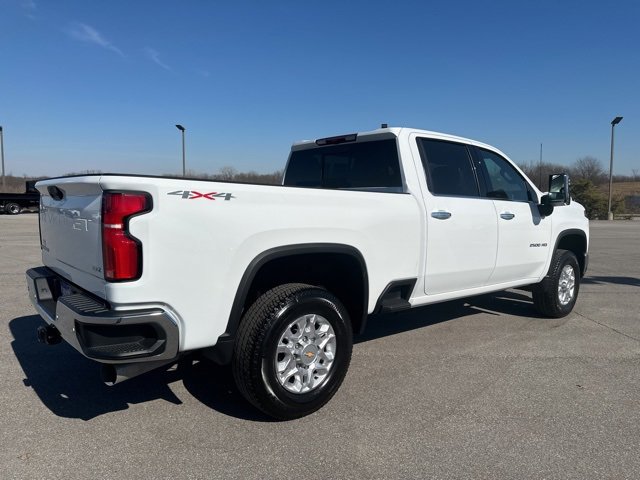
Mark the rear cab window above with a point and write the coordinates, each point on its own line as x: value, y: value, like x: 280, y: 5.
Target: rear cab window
x: 367, y: 165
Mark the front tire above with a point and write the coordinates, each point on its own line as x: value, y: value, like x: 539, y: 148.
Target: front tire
x: 556, y: 295
x: 293, y: 349
x: 12, y: 208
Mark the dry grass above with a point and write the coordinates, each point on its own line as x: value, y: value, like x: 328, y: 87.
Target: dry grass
x: 622, y: 189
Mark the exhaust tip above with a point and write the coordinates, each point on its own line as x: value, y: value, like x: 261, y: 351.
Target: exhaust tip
x: 49, y: 335
x: 109, y: 375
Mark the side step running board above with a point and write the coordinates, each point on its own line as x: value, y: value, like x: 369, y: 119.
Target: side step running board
x: 395, y: 296
x: 394, y: 305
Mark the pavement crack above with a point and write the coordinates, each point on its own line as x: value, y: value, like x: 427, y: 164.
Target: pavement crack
x: 608, y: 327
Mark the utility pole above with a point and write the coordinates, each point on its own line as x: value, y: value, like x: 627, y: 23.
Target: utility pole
x: 184, y: 164
x: 2, y: 155
x: 542, y: 189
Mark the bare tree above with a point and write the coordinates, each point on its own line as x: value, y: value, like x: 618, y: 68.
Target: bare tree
x: 16, y: 184
x: 589, y: 168
x: 226, y: 173
x: 539, y: 173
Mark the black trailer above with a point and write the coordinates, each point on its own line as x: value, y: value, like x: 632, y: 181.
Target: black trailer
x: 14, y: 203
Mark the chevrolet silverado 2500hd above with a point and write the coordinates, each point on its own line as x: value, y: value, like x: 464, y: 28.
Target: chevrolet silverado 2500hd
x: 275, y: 280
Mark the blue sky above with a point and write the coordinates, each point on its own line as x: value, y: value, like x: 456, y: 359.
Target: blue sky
x: 99, y: 85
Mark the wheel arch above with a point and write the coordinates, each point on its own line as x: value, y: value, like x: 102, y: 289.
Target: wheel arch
x: 338, y: 267
x: 574, y: 240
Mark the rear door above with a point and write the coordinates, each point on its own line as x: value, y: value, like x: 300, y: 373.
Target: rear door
x: 462, y: 230
x: 70, y: 230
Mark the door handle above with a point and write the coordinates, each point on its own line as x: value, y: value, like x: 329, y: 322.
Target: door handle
x: 507, y: 215
x: 441, y: 214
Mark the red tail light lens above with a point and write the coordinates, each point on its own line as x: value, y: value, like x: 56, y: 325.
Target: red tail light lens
x: 121, y: 252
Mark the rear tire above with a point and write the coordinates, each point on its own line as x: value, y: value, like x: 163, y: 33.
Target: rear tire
x: 293, y: 349
x: 556, y: 295
x: 12, y: 208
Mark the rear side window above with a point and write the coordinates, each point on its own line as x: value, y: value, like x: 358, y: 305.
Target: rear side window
x: 365, y: 165
x: 448, y: 168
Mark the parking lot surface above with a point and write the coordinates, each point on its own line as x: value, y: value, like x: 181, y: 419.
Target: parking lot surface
x: 476, y: 388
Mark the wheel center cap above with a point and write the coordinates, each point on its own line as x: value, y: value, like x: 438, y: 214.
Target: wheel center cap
x: 309, y: 354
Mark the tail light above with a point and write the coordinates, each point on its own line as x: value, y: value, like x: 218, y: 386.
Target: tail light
x: 122, y: 252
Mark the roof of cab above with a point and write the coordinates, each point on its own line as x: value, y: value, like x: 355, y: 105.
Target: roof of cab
x: 389, y: 132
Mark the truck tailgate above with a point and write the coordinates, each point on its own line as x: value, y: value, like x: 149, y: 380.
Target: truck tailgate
x: 70, y: 230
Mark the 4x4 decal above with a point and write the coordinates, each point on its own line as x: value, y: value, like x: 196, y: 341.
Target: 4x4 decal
x: 192, y: 195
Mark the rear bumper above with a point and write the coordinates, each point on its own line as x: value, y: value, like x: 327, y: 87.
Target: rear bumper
x: 97, y: 331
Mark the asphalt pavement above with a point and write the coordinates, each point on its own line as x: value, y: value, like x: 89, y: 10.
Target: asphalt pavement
x: 476, y: 388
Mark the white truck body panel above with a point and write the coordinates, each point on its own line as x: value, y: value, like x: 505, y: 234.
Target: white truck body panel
x: 464, y: 242
x: 516, y: 258
x: 193, y: 253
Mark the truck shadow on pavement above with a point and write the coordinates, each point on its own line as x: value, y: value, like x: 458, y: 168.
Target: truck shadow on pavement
x: 599, y: 280
x: 510, y: 302
x: 69, y: 384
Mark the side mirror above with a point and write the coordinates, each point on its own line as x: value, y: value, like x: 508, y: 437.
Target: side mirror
x: 559, y: 189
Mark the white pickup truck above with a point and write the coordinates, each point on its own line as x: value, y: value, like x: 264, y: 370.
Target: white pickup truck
x: 276, y: 280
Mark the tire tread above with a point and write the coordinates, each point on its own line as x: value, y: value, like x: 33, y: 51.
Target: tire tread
x: 253, y: 328
x: 544, y: 293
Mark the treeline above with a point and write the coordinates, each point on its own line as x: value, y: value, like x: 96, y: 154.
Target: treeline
x: 590, y: 185
x: 14, y: 184
x: 585, y: 168
x: 230, y: 174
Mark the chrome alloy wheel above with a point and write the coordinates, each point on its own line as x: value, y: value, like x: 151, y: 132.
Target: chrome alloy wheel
x: 306, y: 351
x: 566, y: 285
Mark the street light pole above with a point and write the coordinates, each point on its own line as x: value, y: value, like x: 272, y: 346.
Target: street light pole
x: 2, y: 155
x: 540, y: 169
x: 184, y: 164
x: 614, y: 122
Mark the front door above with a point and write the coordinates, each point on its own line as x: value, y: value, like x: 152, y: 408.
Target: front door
x: 523, y: 234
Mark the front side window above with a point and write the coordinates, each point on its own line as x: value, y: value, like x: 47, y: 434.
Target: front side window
x: 503, y: 182
x: 448, y: 168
